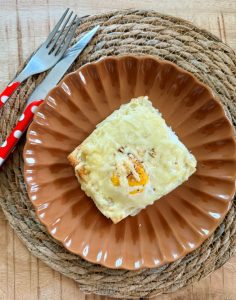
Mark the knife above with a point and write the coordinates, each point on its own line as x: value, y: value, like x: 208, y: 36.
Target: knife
x: 41, y: 91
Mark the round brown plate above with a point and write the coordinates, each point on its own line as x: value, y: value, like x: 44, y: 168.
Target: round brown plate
x: 173, y: 226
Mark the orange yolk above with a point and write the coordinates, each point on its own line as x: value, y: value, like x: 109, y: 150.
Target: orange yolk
x: 136, y: 191
x: 115, y: 180
x: 143, y: 178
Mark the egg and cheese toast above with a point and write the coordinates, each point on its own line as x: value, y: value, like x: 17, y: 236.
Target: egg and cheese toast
x: 130, y: 160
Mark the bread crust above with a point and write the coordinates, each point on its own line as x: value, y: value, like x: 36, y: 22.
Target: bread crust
x: 72, y: 157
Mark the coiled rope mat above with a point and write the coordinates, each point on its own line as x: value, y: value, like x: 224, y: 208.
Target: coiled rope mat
x: 122, y: 32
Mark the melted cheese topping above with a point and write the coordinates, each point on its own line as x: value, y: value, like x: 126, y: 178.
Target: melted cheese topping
x: 135, y: 177
x: 132, y: 159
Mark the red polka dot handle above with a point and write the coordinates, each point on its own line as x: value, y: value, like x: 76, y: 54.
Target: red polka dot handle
x: 4, y: 96
x: 25, y: 119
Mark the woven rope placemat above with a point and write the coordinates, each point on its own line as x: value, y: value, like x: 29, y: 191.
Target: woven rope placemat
x: 122, y: 32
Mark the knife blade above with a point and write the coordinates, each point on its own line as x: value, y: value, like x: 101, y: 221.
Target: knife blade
x: 58, y: 71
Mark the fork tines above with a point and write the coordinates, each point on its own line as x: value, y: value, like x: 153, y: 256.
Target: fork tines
x: 62, y: 33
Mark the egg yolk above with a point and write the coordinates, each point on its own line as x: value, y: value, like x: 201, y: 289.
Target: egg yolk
x: 115, y: 180
x: 143, y: 177
x: 136, y: 191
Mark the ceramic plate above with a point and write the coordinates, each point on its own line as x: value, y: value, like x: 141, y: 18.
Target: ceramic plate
x: 173, y: 226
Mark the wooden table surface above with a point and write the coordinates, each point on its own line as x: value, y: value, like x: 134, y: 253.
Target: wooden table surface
x: 24, y: 24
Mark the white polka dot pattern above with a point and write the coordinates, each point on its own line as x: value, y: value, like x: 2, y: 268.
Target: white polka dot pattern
x: 4, y: 144
x: 17, y: 134
x: 7, y: 147
x: 34, y: 109
x: 1, y: 161
x: 4, y: 98
x: 22, y: 117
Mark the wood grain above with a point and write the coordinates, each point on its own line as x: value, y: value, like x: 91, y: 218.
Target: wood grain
x: 24, y: 24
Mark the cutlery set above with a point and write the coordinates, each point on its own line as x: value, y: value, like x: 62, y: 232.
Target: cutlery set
x: 52, y: 54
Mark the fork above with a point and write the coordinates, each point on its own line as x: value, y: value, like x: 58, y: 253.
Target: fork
x: 49, y: 53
